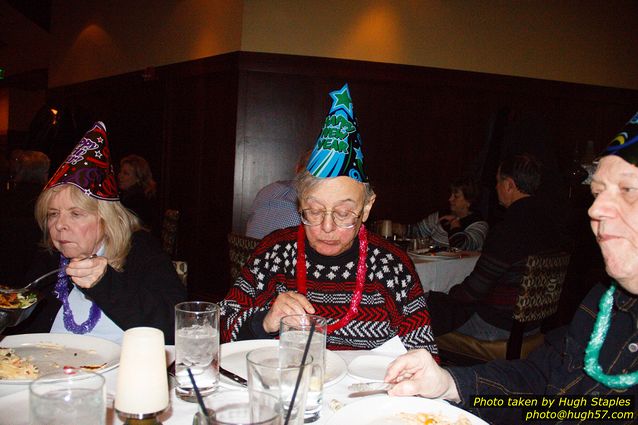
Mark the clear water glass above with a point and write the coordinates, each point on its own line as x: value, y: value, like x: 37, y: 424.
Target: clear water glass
x: 240, y: 408
x: 72, y: 396
x: 197, y: 348
x: 276, y: 371
x: 294, y: 331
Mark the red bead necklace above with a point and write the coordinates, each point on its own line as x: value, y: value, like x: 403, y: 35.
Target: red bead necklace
x: 361, y: 275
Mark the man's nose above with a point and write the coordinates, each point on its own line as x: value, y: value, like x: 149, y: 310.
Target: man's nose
x: 603, y: 207
x: 328, y: 224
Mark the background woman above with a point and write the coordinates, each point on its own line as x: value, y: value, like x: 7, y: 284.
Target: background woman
x: 461, y: 227
x: 130, y: 281
x: 138, y: 189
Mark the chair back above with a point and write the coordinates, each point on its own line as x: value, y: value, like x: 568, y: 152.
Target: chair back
x: 181, y: 267
x: 239, y: 249
x: 538, y: 298
x: 541, y: 286
x: 169, y: 231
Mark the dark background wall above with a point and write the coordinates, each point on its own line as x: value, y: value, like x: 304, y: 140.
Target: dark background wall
x: 216, y: 130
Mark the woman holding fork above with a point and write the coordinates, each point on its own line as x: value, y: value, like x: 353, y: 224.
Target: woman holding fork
x: 113, y: 274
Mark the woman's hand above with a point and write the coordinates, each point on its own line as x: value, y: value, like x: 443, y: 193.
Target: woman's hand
x: 451, y: 220
x: 85, y: 273
x: 417, y: 373
x: 285, y: 304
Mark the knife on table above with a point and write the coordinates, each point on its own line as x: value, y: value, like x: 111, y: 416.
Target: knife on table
x: 228, y: 374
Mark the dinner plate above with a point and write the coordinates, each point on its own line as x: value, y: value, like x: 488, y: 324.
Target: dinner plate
x: 50, y: 352
x: 439, y: 256
x: 386, y: 410
x: 233, y: 358
x: 369, y: 367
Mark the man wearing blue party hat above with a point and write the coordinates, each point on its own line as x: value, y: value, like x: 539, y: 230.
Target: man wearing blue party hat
x: 330, y: 265
x: 597, y: 354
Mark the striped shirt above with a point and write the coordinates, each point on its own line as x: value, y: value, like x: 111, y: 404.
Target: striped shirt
x: 468, y: 237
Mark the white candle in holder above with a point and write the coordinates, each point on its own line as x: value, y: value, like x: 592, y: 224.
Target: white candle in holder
x: 142, y: 383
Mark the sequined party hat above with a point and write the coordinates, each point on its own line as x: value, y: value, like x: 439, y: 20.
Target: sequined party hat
x: 89, y: 166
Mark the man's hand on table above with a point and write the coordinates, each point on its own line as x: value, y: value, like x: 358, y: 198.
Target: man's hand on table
x: 286, y: 304
x: 417, y: 373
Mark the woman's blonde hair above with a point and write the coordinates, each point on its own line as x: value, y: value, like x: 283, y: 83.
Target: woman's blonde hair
x: 116, y: 221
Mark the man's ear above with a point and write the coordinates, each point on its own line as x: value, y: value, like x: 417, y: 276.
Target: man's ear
x: 367, y: 207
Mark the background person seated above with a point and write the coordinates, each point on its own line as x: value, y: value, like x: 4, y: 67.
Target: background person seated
x: 460, y: 227
x: 19, y: 231
x: 138, y: 189
x: 275, y: 206
x: 482, y: 305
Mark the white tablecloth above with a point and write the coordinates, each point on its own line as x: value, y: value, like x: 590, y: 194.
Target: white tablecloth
x: 441, y: 275
x: 14, y: 407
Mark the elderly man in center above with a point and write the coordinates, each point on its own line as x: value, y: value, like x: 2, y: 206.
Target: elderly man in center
x: 330, y: 265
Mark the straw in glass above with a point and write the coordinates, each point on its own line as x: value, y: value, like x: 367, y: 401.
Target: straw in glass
x: 200, y: 400
x: 301, y: 368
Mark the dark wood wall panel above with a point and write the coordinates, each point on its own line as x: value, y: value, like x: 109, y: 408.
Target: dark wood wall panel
x: 275, y: 120
x: 201, y: 127
x: 216, y: 130
x: 421, y: 127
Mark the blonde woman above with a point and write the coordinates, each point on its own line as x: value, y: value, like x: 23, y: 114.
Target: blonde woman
x: 114, y: 275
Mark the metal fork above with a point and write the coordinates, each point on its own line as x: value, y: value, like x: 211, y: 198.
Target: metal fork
x: 32, y: 285
x: 370, y: 386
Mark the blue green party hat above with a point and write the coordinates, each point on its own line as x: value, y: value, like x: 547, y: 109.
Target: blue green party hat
x: 625, y: 144
x: 338, y: 148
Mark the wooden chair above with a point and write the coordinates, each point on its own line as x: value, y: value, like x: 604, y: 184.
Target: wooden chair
x: 539, y: 297
x: 239, y: 249
x: 169, y: 231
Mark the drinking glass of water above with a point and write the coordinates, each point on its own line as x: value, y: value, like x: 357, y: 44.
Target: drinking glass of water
x: 72, y: 396
x: 240, y: 408
x: 294, y: 331
x: 197, y: 348
x: 281, y: 373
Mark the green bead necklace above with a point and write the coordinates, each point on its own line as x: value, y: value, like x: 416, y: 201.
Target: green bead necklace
x: 598, y: 336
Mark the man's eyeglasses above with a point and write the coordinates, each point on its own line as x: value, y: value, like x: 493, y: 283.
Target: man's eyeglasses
x: 342, y: 219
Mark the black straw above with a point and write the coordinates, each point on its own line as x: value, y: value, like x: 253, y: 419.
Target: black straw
x: 200, y: 400
x: 301, y: 368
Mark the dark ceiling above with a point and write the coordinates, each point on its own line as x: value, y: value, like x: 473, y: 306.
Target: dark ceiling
x: 38, y: 11
x: 24, y: 42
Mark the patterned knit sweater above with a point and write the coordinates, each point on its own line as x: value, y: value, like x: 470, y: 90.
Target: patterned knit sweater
x: 393, y: 302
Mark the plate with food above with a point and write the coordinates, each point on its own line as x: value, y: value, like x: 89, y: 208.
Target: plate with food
x: 16, y: 307
x: 28, y: 356
x: 233, y: 358
x: 18, y: 301
x: 386, y: 410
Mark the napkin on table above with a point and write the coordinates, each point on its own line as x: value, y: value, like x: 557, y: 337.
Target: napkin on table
x: 392, y: 347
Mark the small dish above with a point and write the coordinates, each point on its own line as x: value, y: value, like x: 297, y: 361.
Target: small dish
x: 369, y: 367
